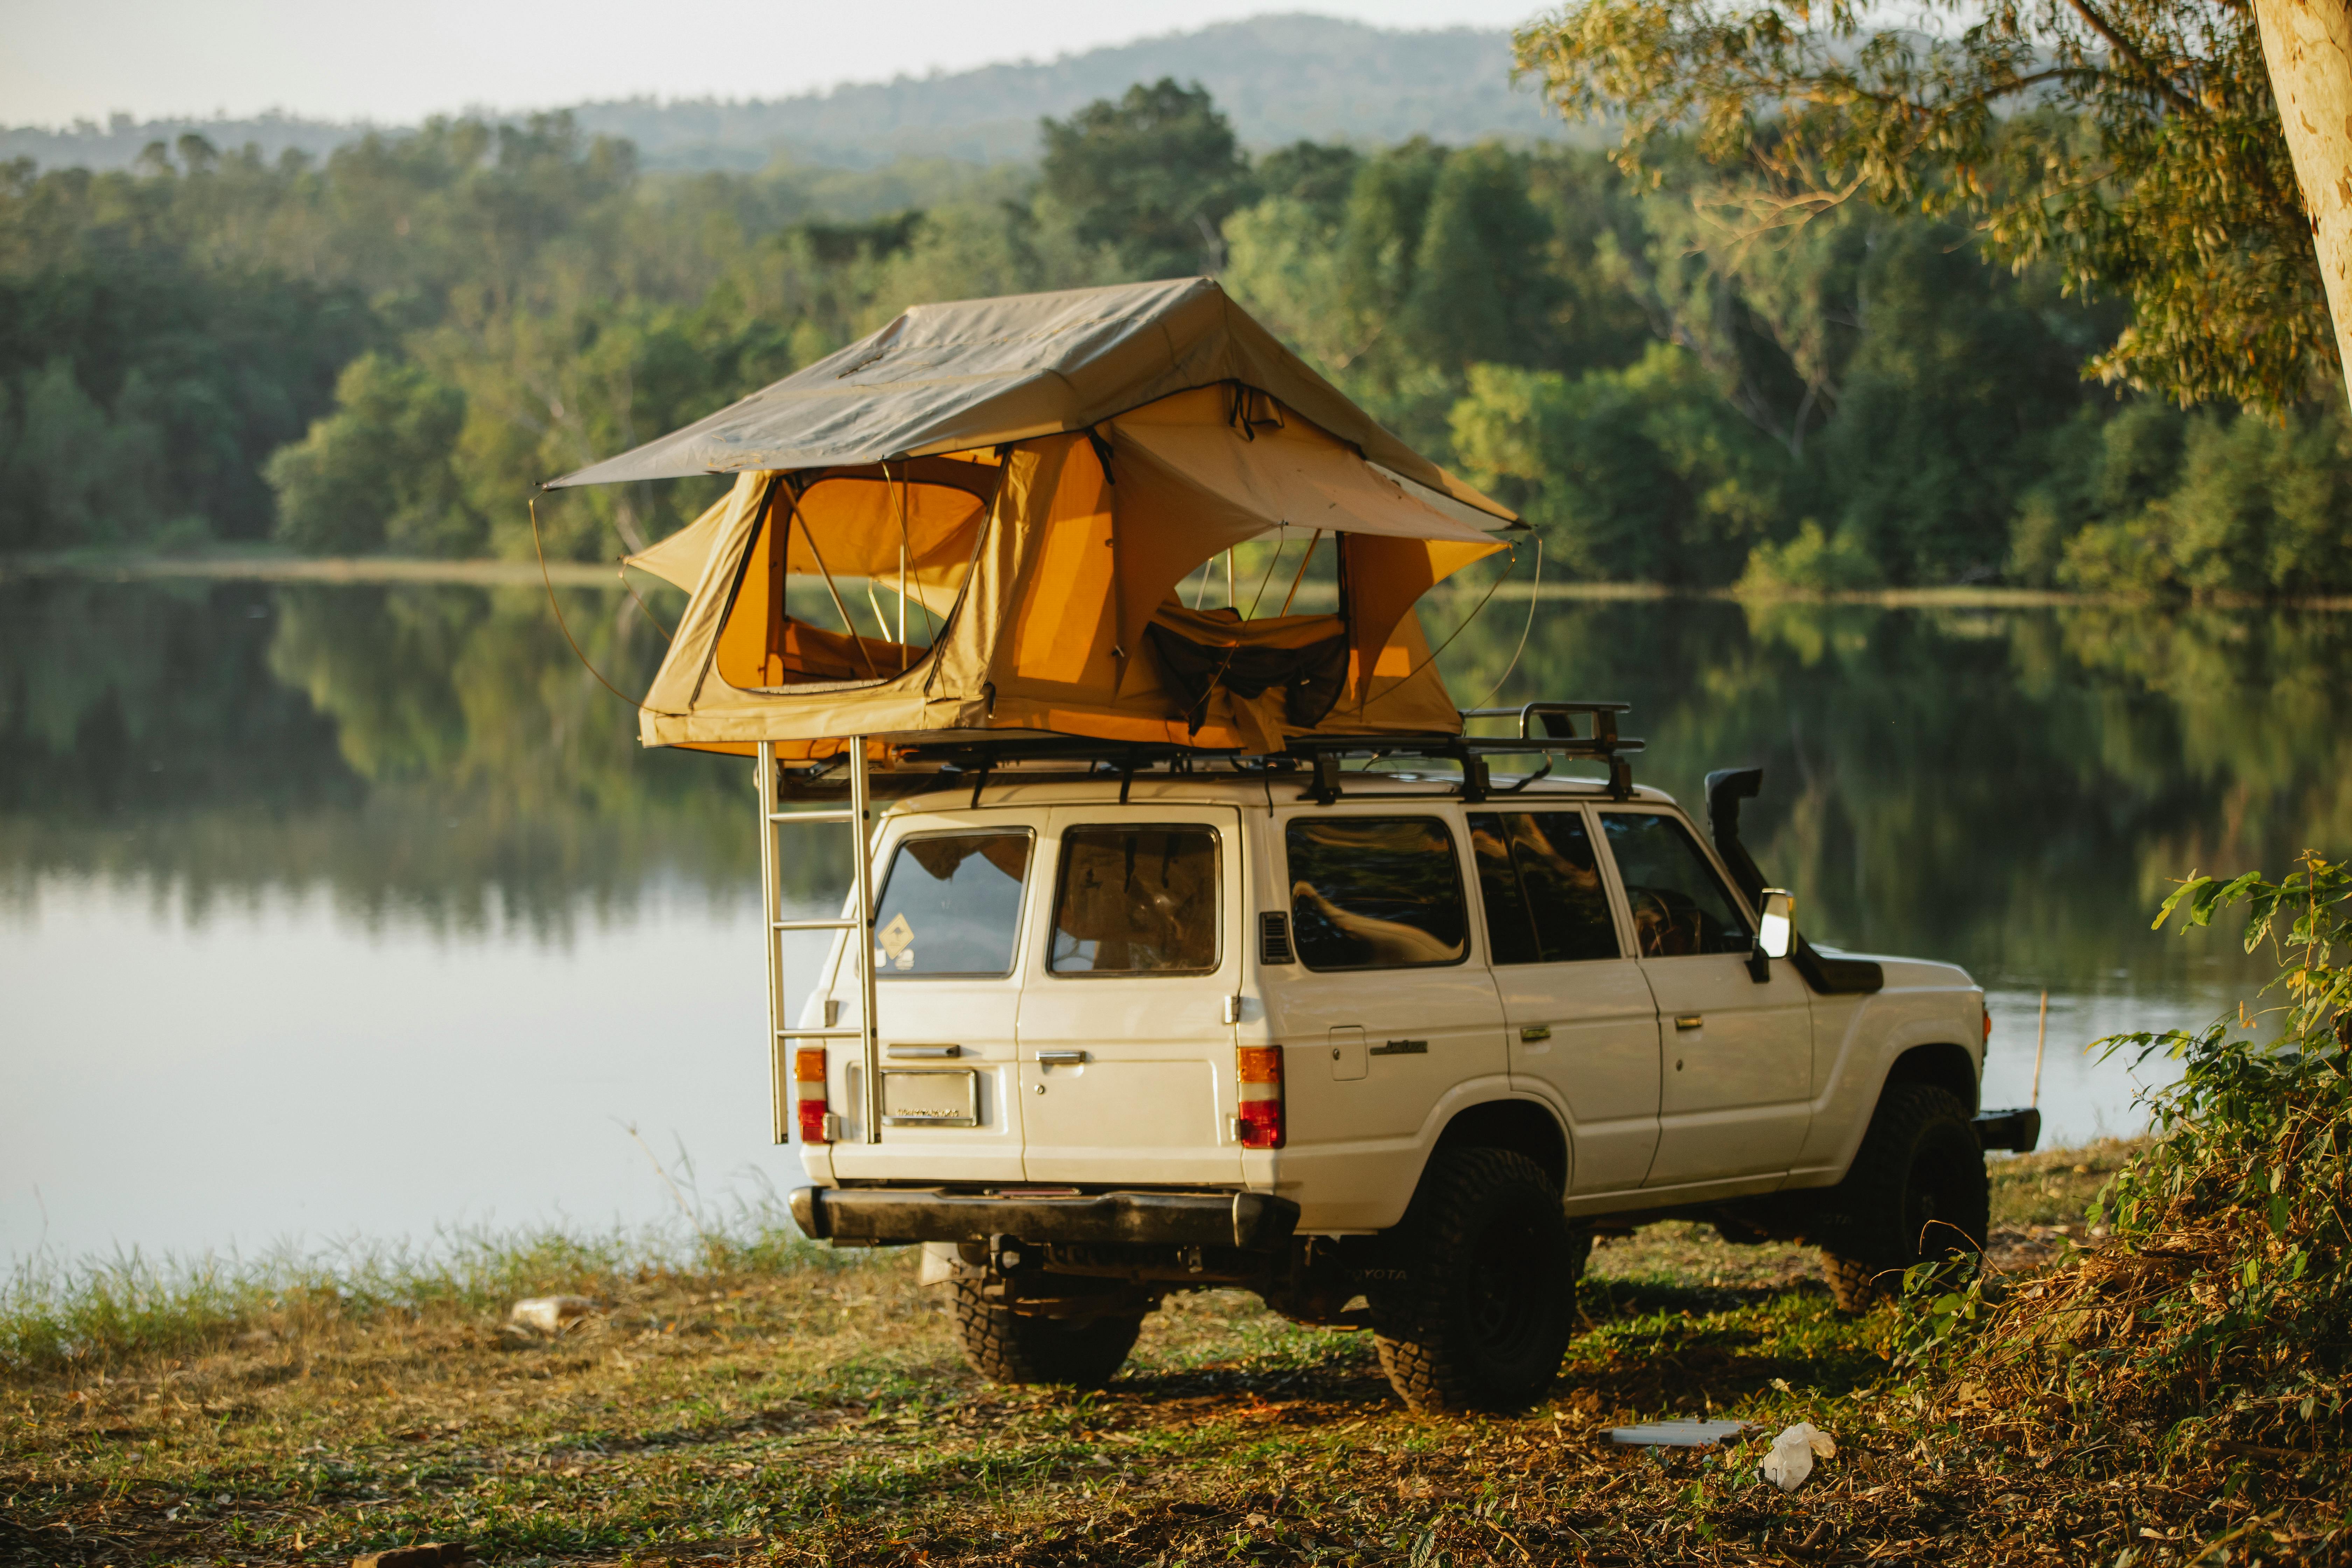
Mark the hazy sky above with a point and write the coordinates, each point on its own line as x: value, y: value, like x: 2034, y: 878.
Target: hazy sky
x: 67, y: 60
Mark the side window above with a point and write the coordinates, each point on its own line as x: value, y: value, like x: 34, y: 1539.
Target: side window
x: 1510, y: 924
x: 1137, y: 901
x: 1680, y: 907
x: 1375, y: 892
x: 1541, y: 884
x: 952, y: 905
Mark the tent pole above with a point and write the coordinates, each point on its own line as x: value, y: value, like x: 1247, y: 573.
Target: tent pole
x: 841, y: 609
x: 1301, y: 575
x: 902, y: 564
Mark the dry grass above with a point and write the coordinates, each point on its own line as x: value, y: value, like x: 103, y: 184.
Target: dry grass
x: 819, y: 1412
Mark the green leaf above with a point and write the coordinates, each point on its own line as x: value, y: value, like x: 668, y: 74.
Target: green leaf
x: 2187, y: 889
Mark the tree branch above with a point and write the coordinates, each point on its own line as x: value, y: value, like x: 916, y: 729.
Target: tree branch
x: 2116, y: 42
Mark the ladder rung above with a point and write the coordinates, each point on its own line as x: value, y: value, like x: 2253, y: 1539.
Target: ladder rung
x: 815, y: 925
x: 811, y: 816
x: 820, y: 1034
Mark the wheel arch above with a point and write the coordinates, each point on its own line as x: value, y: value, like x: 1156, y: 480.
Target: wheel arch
x: 1943, y: 1065
x: 1524, y: 1126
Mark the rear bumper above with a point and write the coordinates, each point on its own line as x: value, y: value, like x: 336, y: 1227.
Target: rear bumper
x: 1255, y: 1222
x: 2017, y: 1130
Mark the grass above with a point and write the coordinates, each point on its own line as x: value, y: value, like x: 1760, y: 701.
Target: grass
x: 763, y: 1401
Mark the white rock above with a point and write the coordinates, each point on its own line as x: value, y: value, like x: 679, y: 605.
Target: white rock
x: 1793, y: 1451
x: 550, y: 1314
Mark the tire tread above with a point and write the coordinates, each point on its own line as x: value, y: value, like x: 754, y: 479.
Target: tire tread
x: 1862, y: 1249
x: 1005, y: 1346
x: 1419, y: 1350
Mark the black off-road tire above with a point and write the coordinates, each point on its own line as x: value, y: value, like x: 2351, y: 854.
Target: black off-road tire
x: 1005, y: 1346
x: 1916, y: 1190
x: 1481, y: 1302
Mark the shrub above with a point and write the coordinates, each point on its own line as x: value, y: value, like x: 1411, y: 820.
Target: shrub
x: 2220, y: 1309
x: 1812, y: 562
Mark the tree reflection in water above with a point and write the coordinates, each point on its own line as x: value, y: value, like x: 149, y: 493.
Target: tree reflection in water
x: 433, y: 752
x: 2011, y: 788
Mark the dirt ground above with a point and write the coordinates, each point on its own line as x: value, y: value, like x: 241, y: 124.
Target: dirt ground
x: 823, y: 1414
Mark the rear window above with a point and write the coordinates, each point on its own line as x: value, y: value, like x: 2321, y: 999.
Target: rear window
x: 1375, y: 892
x: 1137, y: 901
x: 952, y: 905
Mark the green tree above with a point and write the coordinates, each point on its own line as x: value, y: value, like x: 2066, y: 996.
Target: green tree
x: 2259, y: 508
x: 1948, y: 399
x: 1150, y: 177
x: 1480, y: 288
x: 1636, y: 474
x: 377, y: 473
x: 2135, y: 143
x: 2099, y: 468
x: 1317, y: 174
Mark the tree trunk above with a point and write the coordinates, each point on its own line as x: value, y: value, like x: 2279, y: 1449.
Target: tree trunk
x: 2307, y: 44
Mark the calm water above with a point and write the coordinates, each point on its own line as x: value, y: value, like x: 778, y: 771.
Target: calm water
x: 334, y: 911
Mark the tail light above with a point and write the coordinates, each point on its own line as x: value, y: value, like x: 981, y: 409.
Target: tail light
x: 1987, y: 1024
x: 1260, y: 1121
x: 816, y: 1122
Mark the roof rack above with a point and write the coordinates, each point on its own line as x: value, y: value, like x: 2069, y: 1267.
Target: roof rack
x: 925, y: 765
x: 1557, y: 737
x: 1548, y: 728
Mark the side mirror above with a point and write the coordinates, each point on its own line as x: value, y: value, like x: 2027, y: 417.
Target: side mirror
x: 1776, y: 931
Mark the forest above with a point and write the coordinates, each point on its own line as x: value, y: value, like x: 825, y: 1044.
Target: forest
x: 385, y: 351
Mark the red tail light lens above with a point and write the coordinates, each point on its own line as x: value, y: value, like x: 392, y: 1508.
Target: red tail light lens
x: 1259, y: 1069
x: 808, y: 1095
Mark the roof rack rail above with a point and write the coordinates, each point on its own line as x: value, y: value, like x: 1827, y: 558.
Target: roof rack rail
x: 917, y: 765
x: 1323, y: 753
x: 1546, y: 727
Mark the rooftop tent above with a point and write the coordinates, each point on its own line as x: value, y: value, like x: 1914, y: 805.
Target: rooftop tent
x: 1031, y: 479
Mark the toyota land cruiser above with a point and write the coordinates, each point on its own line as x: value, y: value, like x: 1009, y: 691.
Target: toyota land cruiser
x: 1388, y: 1048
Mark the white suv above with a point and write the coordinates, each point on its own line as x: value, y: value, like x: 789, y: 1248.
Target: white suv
x: 1387, y: 1049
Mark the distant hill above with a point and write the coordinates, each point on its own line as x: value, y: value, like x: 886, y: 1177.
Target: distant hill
x: 1280, y: 77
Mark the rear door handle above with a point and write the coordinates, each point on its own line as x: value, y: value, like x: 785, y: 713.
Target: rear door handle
x: 1061, y: 1058
x: 1687, y: 1020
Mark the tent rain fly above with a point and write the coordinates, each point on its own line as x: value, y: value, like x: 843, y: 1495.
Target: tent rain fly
x: 1027, y: 480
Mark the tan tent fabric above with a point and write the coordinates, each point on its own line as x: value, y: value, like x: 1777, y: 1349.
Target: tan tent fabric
x: 1193, y: 476
x: 1034, y: 567
x: 680, y: 559
x: 982, y: 374
x: 1030, y: 645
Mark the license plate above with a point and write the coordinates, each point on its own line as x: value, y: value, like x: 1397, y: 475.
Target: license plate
x: 935, y: 1097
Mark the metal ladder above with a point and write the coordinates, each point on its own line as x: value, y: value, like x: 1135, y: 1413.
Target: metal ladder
x: 859, y: 923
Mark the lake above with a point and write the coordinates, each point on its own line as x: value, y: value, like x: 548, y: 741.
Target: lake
x: 356, y: 910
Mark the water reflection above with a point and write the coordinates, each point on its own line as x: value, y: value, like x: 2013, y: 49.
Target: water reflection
x: 434, y: 754
x: 398, y: 831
